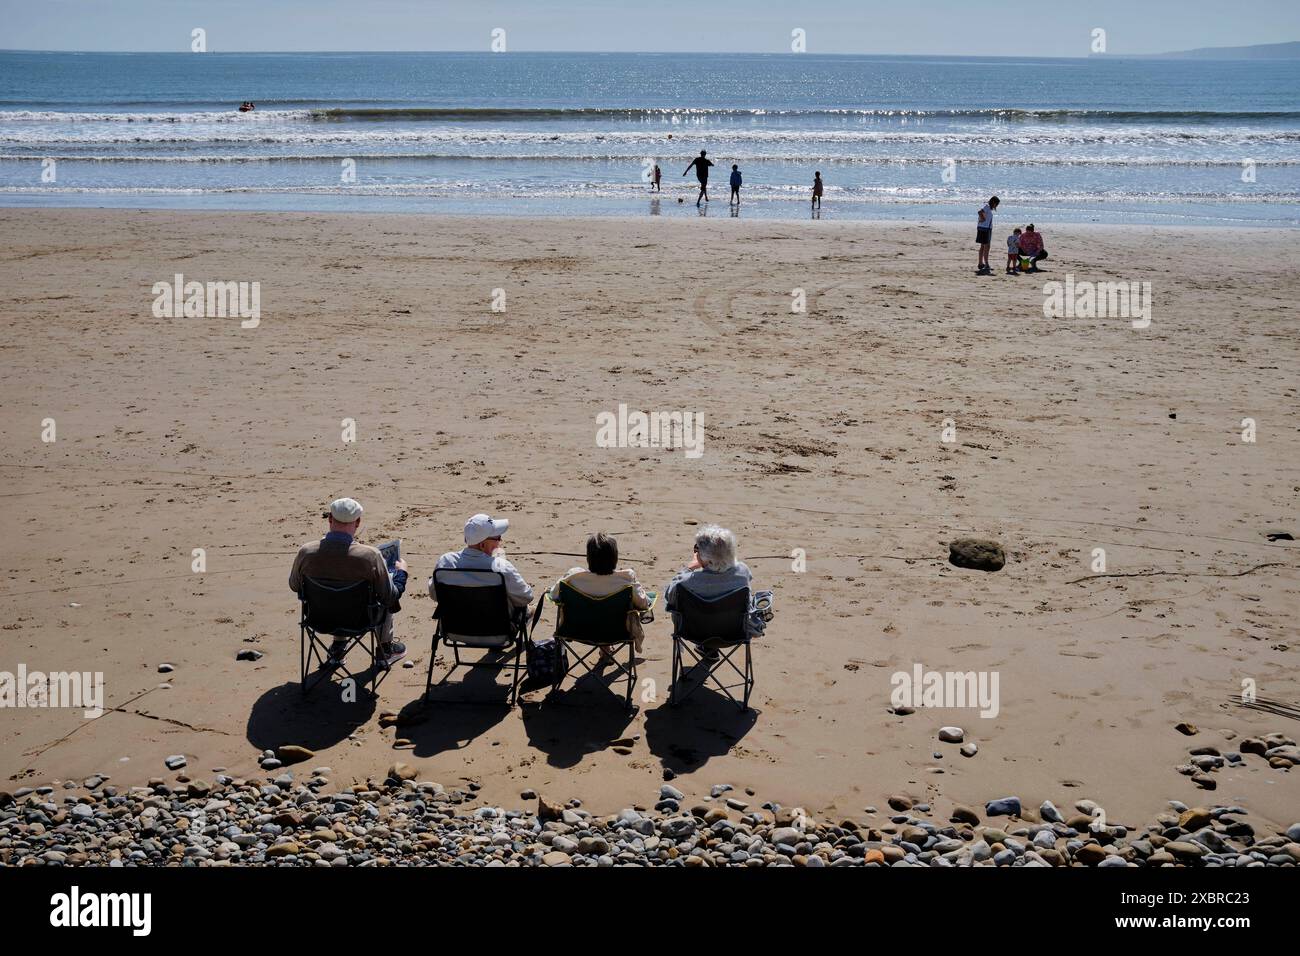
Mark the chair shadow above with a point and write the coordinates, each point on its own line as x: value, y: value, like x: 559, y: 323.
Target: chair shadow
x: 581, y: 719
x: 703, y: 726
x: 318, y: 720
x: 469, y: 703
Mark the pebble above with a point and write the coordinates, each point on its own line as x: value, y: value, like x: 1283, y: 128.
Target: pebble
x: 952, y: 735
x: 965, y: 815
x: 166, y: 668
x: 175, y: 762
x: 248, y: 654
x: 1003, y: 807
x: 402, y: 822
x: 292, y: 753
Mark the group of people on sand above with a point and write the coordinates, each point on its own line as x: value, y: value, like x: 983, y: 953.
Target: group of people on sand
x: 712, y: 571
x: 1024, y: 246
x: 701, y: 165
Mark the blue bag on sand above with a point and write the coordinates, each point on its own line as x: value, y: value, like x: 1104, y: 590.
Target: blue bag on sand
x: 546, y: 660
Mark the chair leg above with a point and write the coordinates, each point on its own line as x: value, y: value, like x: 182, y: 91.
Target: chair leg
x: 428, y: 677
x: 749, y: 677
x: 562, y: 654
x: 677, y: 671
x: 302, y: 657
x: 378, y: 673
x: 631, y: 673
x: 308, y: 651
x: 514, y: 687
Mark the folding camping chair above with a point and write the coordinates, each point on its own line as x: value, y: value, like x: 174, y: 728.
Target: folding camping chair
x: 599, y: 624
x: 346, y: 611
x: 716, y: 624
x: 476, y: 616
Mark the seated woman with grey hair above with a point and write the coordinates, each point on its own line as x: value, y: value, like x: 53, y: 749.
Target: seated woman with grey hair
x: 713, y: 571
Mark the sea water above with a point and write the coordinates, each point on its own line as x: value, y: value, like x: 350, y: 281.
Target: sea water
x: 1059, y: 140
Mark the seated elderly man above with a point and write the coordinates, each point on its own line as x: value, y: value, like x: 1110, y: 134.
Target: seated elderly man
x: 713, y: 572
x: 338, y: 557
x: 482, y: 553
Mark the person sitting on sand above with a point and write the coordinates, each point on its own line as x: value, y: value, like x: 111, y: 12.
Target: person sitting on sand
x: 338, y: 557
x: 1031, y: 245
x: 817, y: 190
x: 701, y: 165
x: 713, y: 572
x: 604, y: 577
x: 1013, y: 252
x: 735, y: 184
x: 482, y: 553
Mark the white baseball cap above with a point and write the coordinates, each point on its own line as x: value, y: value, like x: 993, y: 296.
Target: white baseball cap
x: 344, y: 510
x: 480, y: 527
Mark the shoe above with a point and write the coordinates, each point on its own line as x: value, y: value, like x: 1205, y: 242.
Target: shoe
x: 390, y: 654
x: 337, y: 650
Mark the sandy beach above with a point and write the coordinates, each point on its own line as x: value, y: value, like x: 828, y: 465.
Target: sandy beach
x: 823, y: 432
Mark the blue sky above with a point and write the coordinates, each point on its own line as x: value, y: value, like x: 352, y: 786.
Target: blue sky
x: 949, y: 27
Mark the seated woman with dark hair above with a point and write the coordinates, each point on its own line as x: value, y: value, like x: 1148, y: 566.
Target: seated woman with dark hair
x: 603, y: 576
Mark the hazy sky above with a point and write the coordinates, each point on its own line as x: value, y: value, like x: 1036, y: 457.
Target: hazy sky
x: 964, y: 27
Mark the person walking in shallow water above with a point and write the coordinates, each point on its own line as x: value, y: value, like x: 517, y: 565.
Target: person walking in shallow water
x: 701, y: 164
x: 817, y: 190
x: 735, y: 184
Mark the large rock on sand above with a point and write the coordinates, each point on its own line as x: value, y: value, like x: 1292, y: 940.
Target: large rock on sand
x: 293, y: 753
x: 977, y: 553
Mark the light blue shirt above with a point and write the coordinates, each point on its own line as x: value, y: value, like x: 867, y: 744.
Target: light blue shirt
x: 474, y: 559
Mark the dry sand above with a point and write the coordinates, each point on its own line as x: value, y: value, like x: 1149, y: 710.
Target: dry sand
x: 823, y: 432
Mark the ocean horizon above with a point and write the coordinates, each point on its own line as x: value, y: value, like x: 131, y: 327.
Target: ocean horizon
x: 1088, y: 139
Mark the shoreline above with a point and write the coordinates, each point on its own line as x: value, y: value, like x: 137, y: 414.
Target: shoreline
x: 624, y: 210
x: 463, y: 218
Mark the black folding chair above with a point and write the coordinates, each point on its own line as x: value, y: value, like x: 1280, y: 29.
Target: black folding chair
x: 599, y: 625
x: 716, y: 624
x: 477, y: 616
x: 346, y: 611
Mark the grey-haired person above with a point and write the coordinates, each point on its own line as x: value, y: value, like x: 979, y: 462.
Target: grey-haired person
x: 714, y: 571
